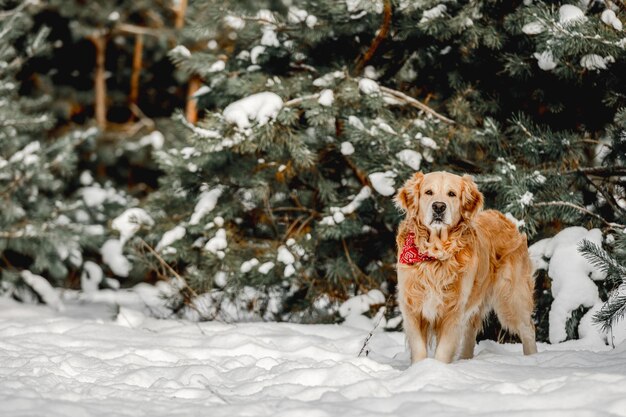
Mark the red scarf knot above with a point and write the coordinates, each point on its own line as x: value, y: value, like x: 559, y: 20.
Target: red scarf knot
x: 410, y: 255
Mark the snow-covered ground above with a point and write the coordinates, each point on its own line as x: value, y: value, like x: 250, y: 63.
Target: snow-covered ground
x: 81, y: 363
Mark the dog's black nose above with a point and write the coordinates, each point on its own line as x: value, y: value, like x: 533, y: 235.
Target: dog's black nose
x: 439, y: 207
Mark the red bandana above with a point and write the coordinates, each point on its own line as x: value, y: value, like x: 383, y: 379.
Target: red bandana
x: 410, y: 254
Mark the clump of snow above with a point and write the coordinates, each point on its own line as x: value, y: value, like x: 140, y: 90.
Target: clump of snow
x: 217, y: 66
x: 130, y: 221
x: 533, y: 28
x: 327, y: 98
x: 352, y: 309
x: 43, y: 288
x: 356, y: 122
x: 434, y: 13
x: 410, y: 158
x: 545, y: 60
x: 27, y: 155
x: 383, y: 182
x: 259, y: 108
x: 572, y: 276
x: 595, y: 62
x: 182, y: 51
x: 154, y: 139
x: 234, y: 22
x: 351, y: 207
x: 284, y: 256
x: 95, y: 196
x: 91, y: 277
x: 247, y: 266
x: 255, y: 53
x: 269, y: 37
x: 289, y: 271
x: 206, y: 203
x: 347, y: 148
x: 266, y: 267
x: 327, y: 79
x: 217, y: 243
x: 338, y: 213
x: 86, y: 178
x: 570, y: 14
x: 170, y: 237
x: 113, y: 257
x: 367, y: 86
x: 608, y: 17
x: 526, y: 199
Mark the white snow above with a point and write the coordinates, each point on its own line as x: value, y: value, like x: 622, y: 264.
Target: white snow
x: 572, y: 276
x: 368, y: 86
x: 113, y: 257
x: 206, y: 203
x: 130, y: 221
x: 356, y: 122
x: 383, y: 182
x: 361, y: 303
x: 545, y: 60
x: 410, y: 158
x: 284, y: 256
x: 217, y: 66
x: 608, y: 17
x: 347, y: 148
x: 533, y: 28
x: 289, y: 271
x: 217, y: 242
x: 95, y: 196
x: 327, y: 79
x: 266, y: 267
x: 327, y: 98
x: 311, y: 21
x: 80, y: 364
x: 234, y: 22
x: 595, y: 62
x: 154, y: 139
x: 43, y: 288
x: 27, y: 155
x: 434, y: 13
x: 269, y: 37
x: 351, y: 207
x: 86, y: 178
x: 170, y: 237
x: 247, y: 266
x: 255, y: 53
x: 182, y: 51
x: 91, y: 277
x: 570, y: 14
x: 526, y: 199
x: 259, y: 108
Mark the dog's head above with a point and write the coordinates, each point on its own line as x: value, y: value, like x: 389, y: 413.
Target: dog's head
x: 440, y: 200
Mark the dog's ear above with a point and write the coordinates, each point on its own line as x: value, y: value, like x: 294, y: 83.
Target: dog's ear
x: 407, y: 196
x: 471, y: 198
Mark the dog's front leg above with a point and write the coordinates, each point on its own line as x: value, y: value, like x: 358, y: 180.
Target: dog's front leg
x: 415, y: 335
x: 447, y: 341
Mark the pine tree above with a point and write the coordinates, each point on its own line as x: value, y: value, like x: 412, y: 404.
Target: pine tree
x: 614, y: 266
x: 47, y: 226
x: 316, y: 111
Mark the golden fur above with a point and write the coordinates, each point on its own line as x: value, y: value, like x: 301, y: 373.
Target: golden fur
x: 481, y: 264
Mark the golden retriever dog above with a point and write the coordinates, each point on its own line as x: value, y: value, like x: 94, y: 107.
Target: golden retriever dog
x: 456, y: 263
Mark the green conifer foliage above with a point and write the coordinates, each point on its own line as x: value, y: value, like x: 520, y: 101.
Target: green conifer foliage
x: 285, y: 197
x: 46, y: 226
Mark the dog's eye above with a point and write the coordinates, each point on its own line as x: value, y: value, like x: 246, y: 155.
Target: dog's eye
x: 452, y: 194
x: 429, y: 192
